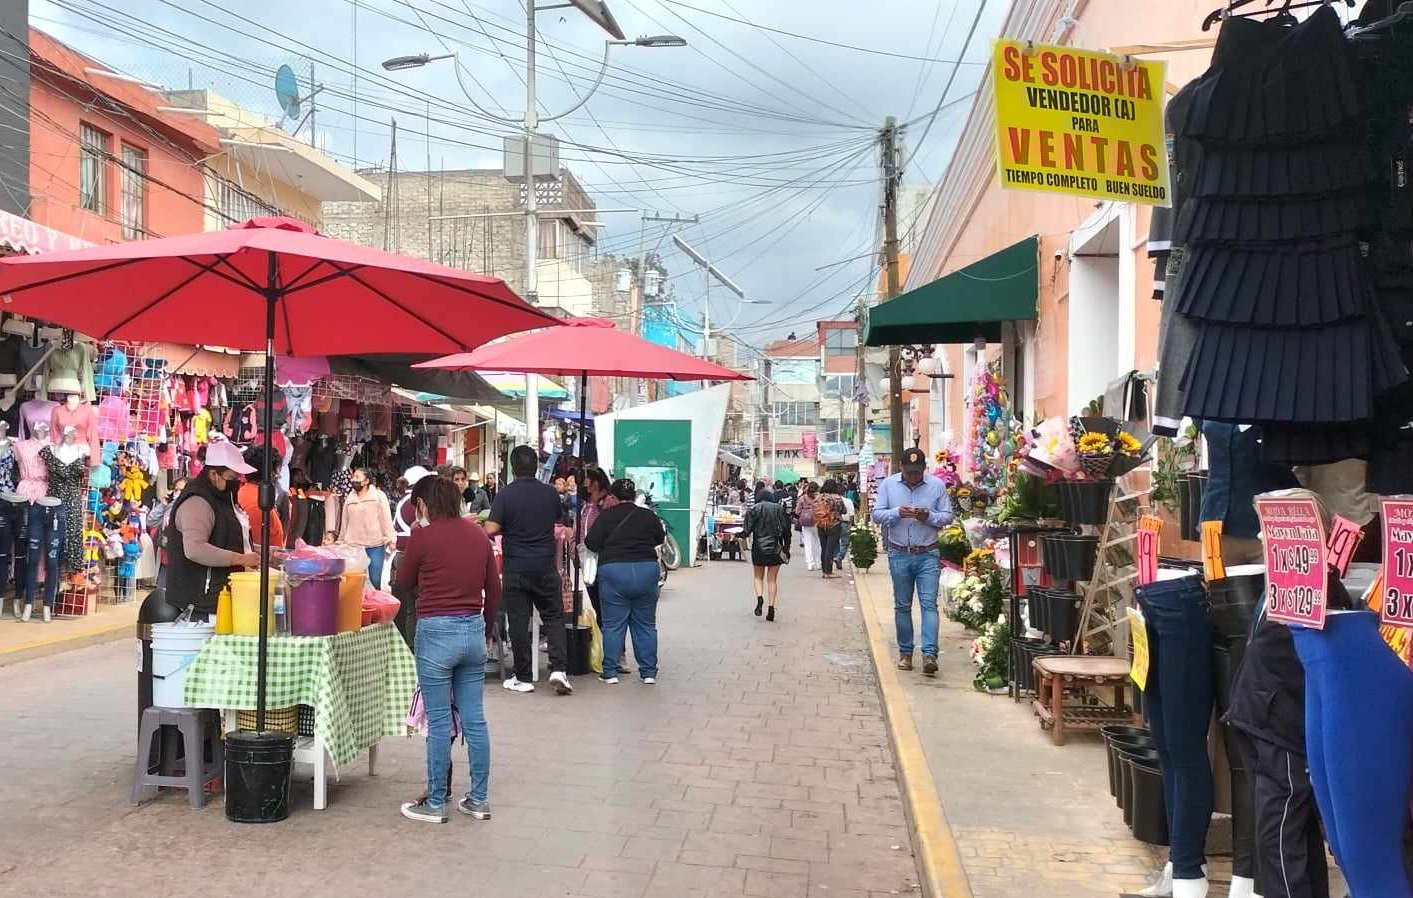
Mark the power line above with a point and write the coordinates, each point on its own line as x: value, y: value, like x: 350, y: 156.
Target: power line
x: 815, y: 40
x: 976, y: 20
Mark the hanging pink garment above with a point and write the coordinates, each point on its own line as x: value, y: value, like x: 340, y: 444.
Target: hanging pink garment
x: 114, y: 419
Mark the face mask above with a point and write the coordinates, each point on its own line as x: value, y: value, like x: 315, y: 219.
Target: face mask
x: 361, y: 487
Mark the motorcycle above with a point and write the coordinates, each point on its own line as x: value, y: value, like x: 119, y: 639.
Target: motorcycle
x: 669, y: 554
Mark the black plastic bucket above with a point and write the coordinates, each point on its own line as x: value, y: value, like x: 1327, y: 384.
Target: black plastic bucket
x: 1127, y: 758
x: 1149, y: 812
x: 579, y: 643
x: 1085, y: 501
x: 1069, y: 556
x: 258, y: 768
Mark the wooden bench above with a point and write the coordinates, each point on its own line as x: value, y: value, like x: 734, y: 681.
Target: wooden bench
x: 1056, y: 673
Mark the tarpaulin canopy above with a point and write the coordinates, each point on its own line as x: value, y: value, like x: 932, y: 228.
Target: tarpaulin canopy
x: 970, y: 302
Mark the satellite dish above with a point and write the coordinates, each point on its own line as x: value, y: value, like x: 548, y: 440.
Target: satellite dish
x: 287, y: 91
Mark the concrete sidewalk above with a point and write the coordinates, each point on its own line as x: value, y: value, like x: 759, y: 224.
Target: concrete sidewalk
x: 23, y: 641
x: 759, y: 766
x: 1027, y: 818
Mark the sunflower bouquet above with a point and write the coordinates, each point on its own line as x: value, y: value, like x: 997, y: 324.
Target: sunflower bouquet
x: 1096, y: 453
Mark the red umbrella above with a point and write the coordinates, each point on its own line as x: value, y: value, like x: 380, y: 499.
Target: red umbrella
x: 588, y: 346
x: 273, y: 284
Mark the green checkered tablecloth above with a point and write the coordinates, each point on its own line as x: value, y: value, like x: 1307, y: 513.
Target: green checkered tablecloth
x: 360, y: 684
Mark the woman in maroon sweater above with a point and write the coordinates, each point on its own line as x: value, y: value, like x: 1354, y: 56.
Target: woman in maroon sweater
x: 449, y: 560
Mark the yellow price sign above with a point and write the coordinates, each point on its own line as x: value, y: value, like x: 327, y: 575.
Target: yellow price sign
x: 1083, y: 123
x: 1138, y: 631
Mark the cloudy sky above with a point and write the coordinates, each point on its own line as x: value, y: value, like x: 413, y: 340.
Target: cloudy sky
x: 767, y: 135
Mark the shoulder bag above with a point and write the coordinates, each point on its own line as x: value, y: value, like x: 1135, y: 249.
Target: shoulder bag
x: 589, y: 562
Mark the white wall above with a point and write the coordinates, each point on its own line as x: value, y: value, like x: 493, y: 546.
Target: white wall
x: 1094, y: 319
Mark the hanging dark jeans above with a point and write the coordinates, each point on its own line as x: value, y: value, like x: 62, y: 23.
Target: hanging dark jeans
x: 14, y: 529
x: 1178, y: 705
x: 45, y: 540
x: 1291, y: 849
x: 1359, y: 736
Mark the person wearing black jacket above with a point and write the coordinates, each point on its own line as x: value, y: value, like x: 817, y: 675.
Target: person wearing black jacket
x: 768, y: 527
x: 626, y: 538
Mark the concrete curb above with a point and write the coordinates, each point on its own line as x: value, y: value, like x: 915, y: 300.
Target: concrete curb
x: 939, y: 862
x: 67, y: 642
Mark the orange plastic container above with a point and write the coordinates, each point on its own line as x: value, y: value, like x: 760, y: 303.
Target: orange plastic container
x: 351, y: 601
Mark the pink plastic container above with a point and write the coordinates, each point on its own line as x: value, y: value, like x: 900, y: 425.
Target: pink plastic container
x: 314, y: 608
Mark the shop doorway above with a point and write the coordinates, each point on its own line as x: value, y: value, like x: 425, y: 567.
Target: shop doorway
x: 1094, y: 343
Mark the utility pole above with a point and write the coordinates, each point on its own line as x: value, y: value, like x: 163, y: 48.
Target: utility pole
x: 891, y: 177
x: 861, y: 421
x: 637, y: 311
x: 532, y: 219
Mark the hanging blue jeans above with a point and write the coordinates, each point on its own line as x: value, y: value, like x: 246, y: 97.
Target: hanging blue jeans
x: 1178, y: 703
x: 921, y: 572
x: 45, y: 539
x: 14, y: 527
x: 451, y: 666
x: 1358, y: 738
x: 628, y: 595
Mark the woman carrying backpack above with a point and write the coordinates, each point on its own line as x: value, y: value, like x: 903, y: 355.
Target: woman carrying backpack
x: 804, y: 519
x: 829, y: 521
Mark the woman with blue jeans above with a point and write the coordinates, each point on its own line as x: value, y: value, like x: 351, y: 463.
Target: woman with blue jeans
x: 450, y: 562
x: 626, y: 538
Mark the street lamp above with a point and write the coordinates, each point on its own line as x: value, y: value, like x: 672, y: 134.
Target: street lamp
x: 597, y: 12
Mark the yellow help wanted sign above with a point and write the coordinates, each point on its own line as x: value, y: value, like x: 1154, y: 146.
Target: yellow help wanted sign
x: 1082, y: 123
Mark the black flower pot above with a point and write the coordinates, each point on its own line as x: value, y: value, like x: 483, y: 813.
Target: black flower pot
x: 1085, y: 501
x: 1069, y: 556
x: 1149, y: 812
x: 1115, y: 745
x: 1037, y: 599
x: 1023, y: 654
x: 1063, y: 619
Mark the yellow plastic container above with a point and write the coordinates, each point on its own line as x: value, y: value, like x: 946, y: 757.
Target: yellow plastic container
x: 245, y: 603
x: 225, y: 625
x: 351, y: 601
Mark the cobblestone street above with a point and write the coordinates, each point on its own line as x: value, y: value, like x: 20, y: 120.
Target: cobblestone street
x: 759, y: 766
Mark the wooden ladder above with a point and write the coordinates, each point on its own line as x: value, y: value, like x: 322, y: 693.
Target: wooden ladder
x: 1110, y: 590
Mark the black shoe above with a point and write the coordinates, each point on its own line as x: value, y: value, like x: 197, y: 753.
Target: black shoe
x: 760, y: 603
x: 770, y: 615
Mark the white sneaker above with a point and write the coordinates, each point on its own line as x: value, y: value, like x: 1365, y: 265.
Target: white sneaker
x: 514, y: 685
x: 649, y: 681
x: 610, y: 681
x: 1162, y: 887
x: 560, y: 680
x: 29, y: 609
x: 48, y: 618
x: 1190, y: 888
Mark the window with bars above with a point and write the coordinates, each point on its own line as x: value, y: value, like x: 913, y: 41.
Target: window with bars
x: 134, y: 184
x: 796, y: 413
x: 93, y: 168
x: 235, y: 205
x: 840, y: 342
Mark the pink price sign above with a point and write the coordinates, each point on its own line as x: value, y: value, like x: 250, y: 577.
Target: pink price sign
x: 1397, y: 609
x: 1296, y: 560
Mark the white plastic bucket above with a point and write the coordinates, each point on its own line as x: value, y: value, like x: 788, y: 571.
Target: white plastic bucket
x: 174, y: 648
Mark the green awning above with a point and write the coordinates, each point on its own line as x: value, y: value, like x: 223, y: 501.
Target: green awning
x: 970, y: 302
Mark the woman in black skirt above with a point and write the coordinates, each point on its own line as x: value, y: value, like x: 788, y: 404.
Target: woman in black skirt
x: 768, y: 527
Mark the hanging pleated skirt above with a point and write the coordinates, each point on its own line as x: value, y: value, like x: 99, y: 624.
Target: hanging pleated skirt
x: 1316, y: 375
x: 1284, y: 288
x: 1286, y: 444
x: 1278, y: 172
x: 1276, y: 85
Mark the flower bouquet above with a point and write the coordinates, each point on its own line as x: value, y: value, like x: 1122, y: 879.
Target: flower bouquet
x: 1096, y: 453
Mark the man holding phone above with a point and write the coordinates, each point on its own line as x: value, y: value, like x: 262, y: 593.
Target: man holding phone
x: 911, y: 507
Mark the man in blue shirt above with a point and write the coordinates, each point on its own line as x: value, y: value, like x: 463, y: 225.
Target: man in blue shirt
x: 911, y: 507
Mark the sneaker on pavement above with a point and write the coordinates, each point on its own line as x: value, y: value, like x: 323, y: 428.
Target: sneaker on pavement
x: 905, y: 662
x: 649, y: 681
x: 560, y: 680
x: 610, y: 681
x: 423, y: 812
x: 514, y: 685
x: 469, y: 806
x: 929, y: 665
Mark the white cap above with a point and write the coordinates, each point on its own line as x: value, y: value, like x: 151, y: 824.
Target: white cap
x: 414, y: 474
x: 223, y: 454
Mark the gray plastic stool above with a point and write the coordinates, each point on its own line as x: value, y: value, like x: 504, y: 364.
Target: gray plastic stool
x: 200, y: 728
